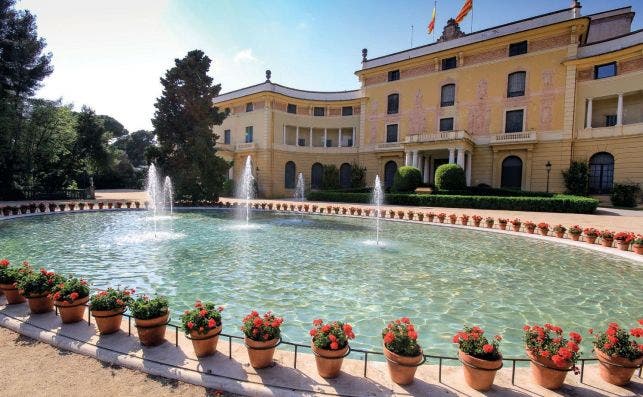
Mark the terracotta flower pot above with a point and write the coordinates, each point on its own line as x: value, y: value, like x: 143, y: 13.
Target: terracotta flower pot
x: 479, y: 374
x: 530, y: 230
x: 401, y: 368
x: 464, y: 222
x: 616, y: 370
x: 560, y: 234
x: 515, y: 228
x: 607, y: 242
x: 503, y: 226
x: 152, y: 332
x: 574, y: 237
x: 261, y: 352
x: 638, y: 248
x: 40, y: 304
x: 430, y: 218
x: 623, y: 246
x: 544, y: 231
x: 108, y: 321
x: 329, y: 362
x: 590, y: 239
x: 476, y: 223
x: 546, y: 373
x: 12, y: 294
x: 205, y: 344
x: 71, y: 312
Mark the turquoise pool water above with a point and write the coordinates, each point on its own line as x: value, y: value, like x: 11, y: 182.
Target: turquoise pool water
x: 327, y: 267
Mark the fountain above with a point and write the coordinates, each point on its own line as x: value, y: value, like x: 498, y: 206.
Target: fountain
x: 168, y: 192
x: 160, y: 195
x: 246, y: 190
x: 300, y: 192
x: 378, y: 196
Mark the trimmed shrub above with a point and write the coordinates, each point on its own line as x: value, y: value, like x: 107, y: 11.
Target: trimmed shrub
x: 330, y: 180
x: 557, y: 203
x: 577, y: 178
x: 625, y: 194
x: 450, y: 177
x: 406, y: 179
x: 489, y: 191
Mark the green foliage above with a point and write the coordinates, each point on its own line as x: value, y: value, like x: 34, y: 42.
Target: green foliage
x: 112, y: 126
x: 183, y: 123
x: 37, y: 283
x: 260, y: 328
x: 228, y: 188
x: 615, y: 341
x: 111, y: 299
x: 400, y: 337
x: 577, y: 178
x: 70, y: 289
x: 489, y: 191
x: 625, y: 194
x: 548, y: 342
x: 558, y: 203
x: 331, y: 336
x: 471, y: 341
x: 406, y: 179
x: 330, y: 179
x: 450, y: 177
x: 358, y: 176
x: 134, y: 145
x: 202, y: 318
x: 12, y: 274
x: 144, y: 308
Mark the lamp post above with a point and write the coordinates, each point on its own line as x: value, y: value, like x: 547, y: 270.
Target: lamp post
x: 548, y: 167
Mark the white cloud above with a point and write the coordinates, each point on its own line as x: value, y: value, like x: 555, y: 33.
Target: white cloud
x: 245, y: 56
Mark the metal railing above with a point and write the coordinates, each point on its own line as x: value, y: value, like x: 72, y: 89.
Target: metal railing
x: 428, y: 358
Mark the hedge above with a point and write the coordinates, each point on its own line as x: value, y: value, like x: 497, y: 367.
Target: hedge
x: 489, y: 191
x: 558, y: 203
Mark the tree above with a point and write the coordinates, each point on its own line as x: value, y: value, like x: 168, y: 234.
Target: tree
x: 406, y: 179
x: 135, y: 145
x: 113, y: 126
x: 183, y: 124
x: 577, y: 178
x: 23, y: 66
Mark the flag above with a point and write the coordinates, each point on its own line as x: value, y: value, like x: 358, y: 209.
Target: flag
x: 468, y: 5
x: 432, y: 23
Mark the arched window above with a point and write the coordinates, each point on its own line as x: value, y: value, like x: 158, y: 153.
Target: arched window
x: 316, y: 176
x: 511, y: 177
x: 516, y: 84
x: 601, y: 173
x: 345, y: 176
x: 447, y: 97
x: 289, y: 175
x: 390, y: 168
x: 393, y: 104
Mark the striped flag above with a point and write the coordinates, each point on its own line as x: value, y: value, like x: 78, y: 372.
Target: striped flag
x: 468, y: 5
x: 432, y: 23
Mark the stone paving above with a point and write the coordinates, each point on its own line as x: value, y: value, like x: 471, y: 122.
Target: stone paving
x: 229, y: 369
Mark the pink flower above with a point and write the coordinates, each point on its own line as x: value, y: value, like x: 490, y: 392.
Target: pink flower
x: 487, y: 348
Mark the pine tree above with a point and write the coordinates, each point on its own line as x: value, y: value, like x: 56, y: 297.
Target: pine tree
x: 183, y: 124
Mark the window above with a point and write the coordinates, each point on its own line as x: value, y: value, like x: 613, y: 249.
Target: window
x: 292, y: 108
x: 389, y: 173
x: 393, y: 75
x: 446, y: 124
x: 517, y: 48
x: 513, y: 120
x: 449, y: 63
x: 516, y: 84
x: 249, y: 134
x: 393, y: 104
x: 226, y: 137
x: 289, y: 175
x: 302, y: 142
x: 250, y: 107
x: 316, y: 176
x: 610, y: 120
x: 391, y: 133
x: 601, y: 173
x: 345, y: 172
x: 318, y: 111
x: 606, y: 70
x: 448, y: 95
x: 347, y: 111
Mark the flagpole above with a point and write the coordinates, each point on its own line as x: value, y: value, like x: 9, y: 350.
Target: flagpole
x: 411, y: 36
x: 471, y: 28
x: 435, y: 7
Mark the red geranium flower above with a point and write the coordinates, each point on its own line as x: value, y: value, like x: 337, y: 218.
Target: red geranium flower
x: 487, y: 348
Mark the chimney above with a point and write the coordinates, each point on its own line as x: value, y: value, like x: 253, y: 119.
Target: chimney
x: 575, y: 6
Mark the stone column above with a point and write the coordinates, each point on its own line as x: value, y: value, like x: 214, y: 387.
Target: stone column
x: 451, y: 155
x: 425, y: 176
x: 310, y: 141
x: 415, y: 158
x: 468, y: 170
x: 297, y: 137
x: 325, y: 136
x: 353, y: 136
x: 619, y: 110
x: 284, y: 134
x: 407, y: 161
x: 588, y: 119
x: 339, y: 143
x: 461, y: 157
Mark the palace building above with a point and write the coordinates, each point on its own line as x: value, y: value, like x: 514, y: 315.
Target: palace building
x: 513, y: 105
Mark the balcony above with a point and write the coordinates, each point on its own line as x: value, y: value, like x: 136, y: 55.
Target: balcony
x: 611, y: 132
x: 316, y: 149
x: 509, y: 138
x: 225, y: 147
x: 246, y: 146
x: 438, y: 137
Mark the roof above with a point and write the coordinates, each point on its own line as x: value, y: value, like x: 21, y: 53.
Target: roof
x: 611, y: 45
x: 268, y: 86
x: 475, y: 37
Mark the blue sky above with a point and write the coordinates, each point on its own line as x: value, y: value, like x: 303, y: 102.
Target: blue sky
x: 110, y: 55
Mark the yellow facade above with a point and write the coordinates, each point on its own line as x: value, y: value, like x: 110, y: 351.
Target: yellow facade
x: 545, y: 106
